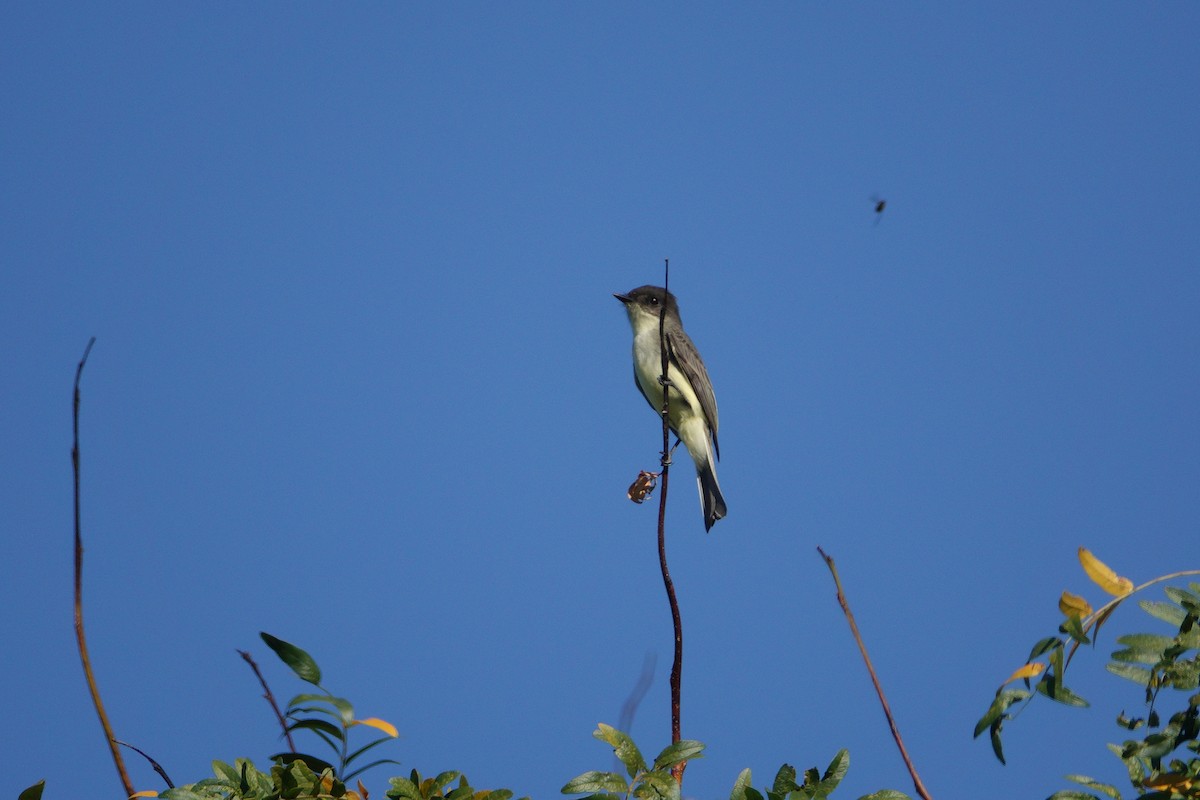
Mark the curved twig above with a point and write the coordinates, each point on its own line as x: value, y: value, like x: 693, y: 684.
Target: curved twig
x: 79, y: 636
x: 157, y: 767
x: 677, y: 664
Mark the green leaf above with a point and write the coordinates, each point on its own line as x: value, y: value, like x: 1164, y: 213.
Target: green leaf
x: 183, y: 793
x: 1139, y: 675
x: 683, y: 750
x: 1044, y: 646
x: 1071, y: 794
x: 1167, y: 612
x: 1092, y: 783
x: 1054, y: 676
x: 1004, y: 700
x: 223, y: 770
x: 404, y: 789
x: 657, y: 786
x: 1129, y: 724
x: 1133, y: 765
x: 1135, y: 656
x: 1059, y: 693
x: 994, y: 735
x: 497, y: 794
x: 252, y: 780
x: 215, y: 788
x: 1183, y: 597
x: 753, y: 794
x: 342, y: 711
x: 837, y: 769
x: 785, y: 780
x: 380, y: 741
x: 444, y: 779
x: 1073, y: 627
x: 596, y: 782
x: 740, y: 785
x: 317, y: 725
x: 624, y: 748
x: 33, y: 792
x: 1146, y: 642
x: 301, y: 662
x: 344, y: 707
x: 312, y: 762
x: 886, y: 794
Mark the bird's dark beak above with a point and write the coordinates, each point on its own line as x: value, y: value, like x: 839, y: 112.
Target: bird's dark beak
x: 624, y: 298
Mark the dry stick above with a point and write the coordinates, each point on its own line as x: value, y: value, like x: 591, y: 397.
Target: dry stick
x: 677, y: 665
x: 83, y: 651
x: 841, y: 596
x: 270, y: 698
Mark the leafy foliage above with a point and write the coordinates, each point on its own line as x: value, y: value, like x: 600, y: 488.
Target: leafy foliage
x: 1165, y: 763
x: 243, y: 781
x: 328, y: 717
x: 645, y: 781
x: 654, y: 781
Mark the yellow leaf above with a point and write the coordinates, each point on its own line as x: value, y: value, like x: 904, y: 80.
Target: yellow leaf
x: 1103, y: 575
x: 1073, y: 605
x: 1030, y: 670
x: 147, y: 793
x: 378, y: 724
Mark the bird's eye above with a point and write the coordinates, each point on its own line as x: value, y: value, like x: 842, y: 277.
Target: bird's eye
x: 653, y: 301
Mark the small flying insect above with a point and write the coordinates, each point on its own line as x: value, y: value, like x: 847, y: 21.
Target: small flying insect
x: 880, y: 205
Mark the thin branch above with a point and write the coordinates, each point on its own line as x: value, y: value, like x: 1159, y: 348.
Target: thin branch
x: 841, y: 596
x: 79, y: 636
x: 157, y: 767
x: 677, y: 665
x: 270, y: 698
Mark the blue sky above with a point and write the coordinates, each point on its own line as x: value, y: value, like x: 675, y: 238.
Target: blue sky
x: 360, y: 381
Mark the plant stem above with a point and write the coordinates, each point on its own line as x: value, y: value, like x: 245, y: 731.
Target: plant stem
x: 862, y: 648
x: 677, y: 664
x: 79, y: 636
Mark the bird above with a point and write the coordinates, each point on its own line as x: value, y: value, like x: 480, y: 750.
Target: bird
x: 692, y: 411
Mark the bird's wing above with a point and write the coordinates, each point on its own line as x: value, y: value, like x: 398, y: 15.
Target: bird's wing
x: 685, y: 356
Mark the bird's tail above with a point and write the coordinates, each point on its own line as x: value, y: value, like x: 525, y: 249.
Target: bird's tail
x: 710, y: 495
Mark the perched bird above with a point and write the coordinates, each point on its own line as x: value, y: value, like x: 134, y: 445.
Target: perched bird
x: 693, y: 408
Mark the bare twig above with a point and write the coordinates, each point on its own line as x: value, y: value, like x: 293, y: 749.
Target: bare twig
x: 862, y: 648
x: 677, y: 665
x: 79, y: 636
x: 157, y: 767
x: 270, y: 698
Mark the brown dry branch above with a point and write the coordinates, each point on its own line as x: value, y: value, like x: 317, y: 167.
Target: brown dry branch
x: 79, y: 636
x: 677, y: 664
x: 270, y: 698
x: 862, y: 648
